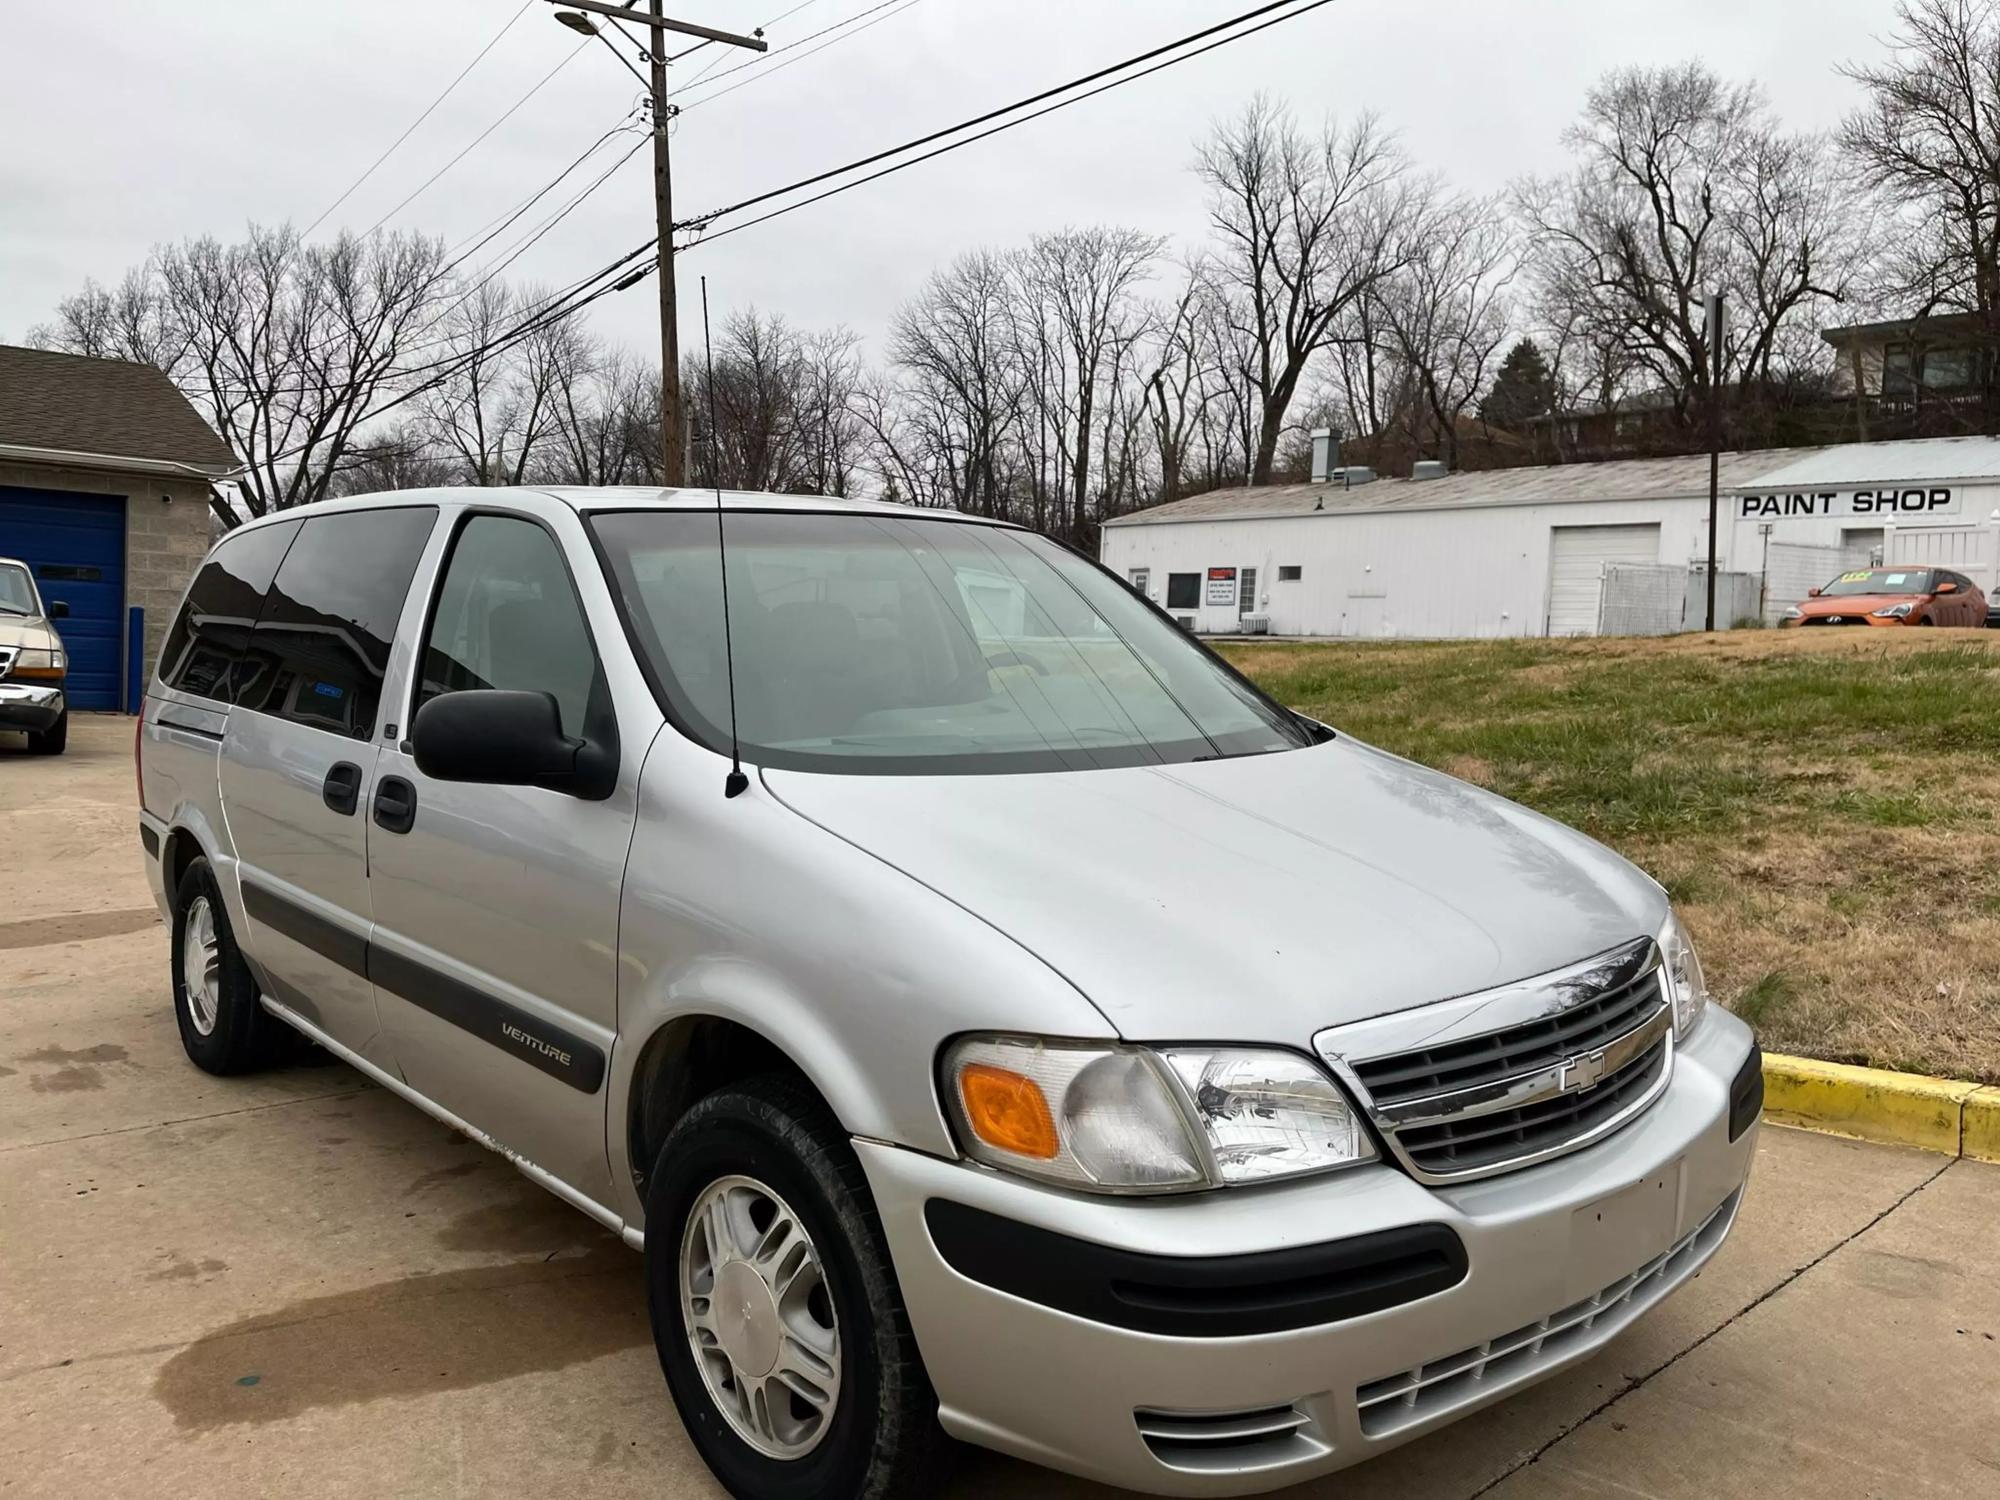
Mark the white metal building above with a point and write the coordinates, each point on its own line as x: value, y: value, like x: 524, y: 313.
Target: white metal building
x: 1550, y: 551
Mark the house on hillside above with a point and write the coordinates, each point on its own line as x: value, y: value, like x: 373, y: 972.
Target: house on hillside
x: 1909, y: 375
x: 105, y: 476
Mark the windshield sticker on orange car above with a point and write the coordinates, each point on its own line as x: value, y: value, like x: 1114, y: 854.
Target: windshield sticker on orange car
x: 1861, y: 577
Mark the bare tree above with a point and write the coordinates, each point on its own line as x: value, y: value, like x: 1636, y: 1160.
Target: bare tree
x: 1447, y: 314
x: 1304, y: 227
x: 288, y: 346
x: 1683, y: 184
x: 784, y: 406
x: 1077, y: 295
x: 958, y: 386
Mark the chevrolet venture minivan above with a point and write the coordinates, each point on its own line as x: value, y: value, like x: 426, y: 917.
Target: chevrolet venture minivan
x: 1046, y: 1040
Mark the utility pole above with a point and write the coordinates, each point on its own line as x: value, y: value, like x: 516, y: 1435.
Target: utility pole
x: 1712, y: 332
x: 673, y: 425
x: 673, y: 430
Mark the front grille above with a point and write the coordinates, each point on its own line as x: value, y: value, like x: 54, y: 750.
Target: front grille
x: 1228, y: 1442
x: 1471, y: 1143
x: 1519, y: 1049
x: 1408, y: 1397
x: 6, y: 660
x: 1860, y: 619
x: 1515, y: 1075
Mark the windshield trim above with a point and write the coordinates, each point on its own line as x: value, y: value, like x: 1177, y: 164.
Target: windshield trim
x: 643, y: 645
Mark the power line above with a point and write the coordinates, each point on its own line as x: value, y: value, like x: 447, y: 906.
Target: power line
x: 758, y: 62
x: 784, y: 16
x: 419, y: 119
x: 702, y: 221
x: 601, y: 283
x: 461, y: 253
x: 474, y: 142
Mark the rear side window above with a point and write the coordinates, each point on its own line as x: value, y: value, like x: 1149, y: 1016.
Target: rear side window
x: 321, y: 647
x: 507, y: 616
x: 221, y: 608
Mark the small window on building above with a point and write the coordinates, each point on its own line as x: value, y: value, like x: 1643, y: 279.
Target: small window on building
x: 1184, y: 591
x: 1289, y: 574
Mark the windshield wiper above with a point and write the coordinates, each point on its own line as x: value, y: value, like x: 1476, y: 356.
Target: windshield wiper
x: 8, y: 609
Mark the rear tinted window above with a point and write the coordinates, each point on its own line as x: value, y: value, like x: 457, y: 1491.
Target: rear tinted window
x: 321, y: 647
x: 221, y: 608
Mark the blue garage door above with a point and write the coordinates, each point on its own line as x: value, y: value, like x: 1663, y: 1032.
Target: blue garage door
x: 75, y: 546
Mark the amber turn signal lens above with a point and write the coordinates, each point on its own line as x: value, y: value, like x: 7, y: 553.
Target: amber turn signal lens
x: 1006, y: 1110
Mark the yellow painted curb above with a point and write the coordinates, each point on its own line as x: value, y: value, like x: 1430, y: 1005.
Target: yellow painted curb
x: 1871, y: 1104
x: 1979, y: 1136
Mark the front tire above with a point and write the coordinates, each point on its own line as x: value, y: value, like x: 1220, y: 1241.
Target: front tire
x: 53, y: 740
x: 224, y: 1029
x: 775, y: 1309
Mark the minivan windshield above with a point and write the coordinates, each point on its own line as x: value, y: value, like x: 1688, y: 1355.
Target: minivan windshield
x: 17, y: 591
x: 870, y: 643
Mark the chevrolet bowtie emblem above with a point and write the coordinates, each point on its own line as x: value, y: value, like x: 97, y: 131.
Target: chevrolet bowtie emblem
x: 1581, y: 1072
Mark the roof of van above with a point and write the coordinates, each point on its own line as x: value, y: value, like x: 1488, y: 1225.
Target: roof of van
x: 628, y: 497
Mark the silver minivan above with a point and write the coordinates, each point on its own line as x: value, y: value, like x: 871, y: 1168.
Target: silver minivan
x: 990, y: 1015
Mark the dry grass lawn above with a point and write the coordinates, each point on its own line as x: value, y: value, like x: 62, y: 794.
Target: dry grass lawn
x: 1823, y: 806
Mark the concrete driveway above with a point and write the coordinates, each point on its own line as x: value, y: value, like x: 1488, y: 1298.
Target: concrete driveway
x: 297, y: 1284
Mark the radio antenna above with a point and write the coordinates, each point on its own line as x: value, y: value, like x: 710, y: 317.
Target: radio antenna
x: 736, y: 783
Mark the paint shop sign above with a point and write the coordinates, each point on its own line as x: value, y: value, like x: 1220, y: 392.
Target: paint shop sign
x: 1894, y: 504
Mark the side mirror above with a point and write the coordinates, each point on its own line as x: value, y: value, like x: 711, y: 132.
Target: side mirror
x: 503, y: 738
x: 1947, y: 587
x: 58, y: 610
x: 1812, y: 593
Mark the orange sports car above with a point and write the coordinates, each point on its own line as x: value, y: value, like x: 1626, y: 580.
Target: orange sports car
x: 1893, y: 596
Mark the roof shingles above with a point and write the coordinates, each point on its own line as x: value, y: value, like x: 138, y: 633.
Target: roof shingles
x: 107, y: 408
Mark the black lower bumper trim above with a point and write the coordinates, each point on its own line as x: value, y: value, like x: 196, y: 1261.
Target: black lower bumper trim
x: 1746, y: 1093
x: 151, y: 840
x: 1208, y: 1296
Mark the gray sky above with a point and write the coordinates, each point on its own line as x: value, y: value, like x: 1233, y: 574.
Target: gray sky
x: 128, y: 122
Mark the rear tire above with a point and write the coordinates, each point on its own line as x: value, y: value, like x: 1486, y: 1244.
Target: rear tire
x: 772, y: 1148
x: 53, y: 740
x: 223, y: 1027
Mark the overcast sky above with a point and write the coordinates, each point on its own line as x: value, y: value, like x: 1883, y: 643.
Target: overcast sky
x: 128, y: 122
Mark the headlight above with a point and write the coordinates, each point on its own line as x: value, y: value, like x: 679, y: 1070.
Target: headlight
x: 1102, y: 1116
x: 1685, y: 985
x: 35, y: 661
x: 1793, y: 612
x: 1894, y: 612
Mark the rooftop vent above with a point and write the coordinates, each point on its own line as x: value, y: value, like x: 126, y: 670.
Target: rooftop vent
x: 1353, y: 474
x: 1326, y: 455
x: 1430, y: 468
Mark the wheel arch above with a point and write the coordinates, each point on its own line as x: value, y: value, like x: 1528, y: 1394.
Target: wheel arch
x: 685, y: 1059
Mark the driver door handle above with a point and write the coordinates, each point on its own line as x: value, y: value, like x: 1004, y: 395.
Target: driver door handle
x: 341, y: 790
x: 395, y: 804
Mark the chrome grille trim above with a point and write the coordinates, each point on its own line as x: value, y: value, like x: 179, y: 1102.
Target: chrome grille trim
x: 1427, y: 1077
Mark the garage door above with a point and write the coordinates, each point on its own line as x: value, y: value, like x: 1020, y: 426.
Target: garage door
x: 1860, y: 547
x: 1577, y: 556
x: 75, y: 546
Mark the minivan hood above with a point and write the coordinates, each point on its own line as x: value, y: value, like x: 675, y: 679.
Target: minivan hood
x: 1259, y: 898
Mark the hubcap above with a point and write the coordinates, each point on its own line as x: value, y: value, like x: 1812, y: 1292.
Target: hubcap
x: 201, y: 965
x: 760, y: 1317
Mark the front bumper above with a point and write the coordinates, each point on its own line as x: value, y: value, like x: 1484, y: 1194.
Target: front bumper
x: 31, y: 706
x: 1559, y: 1257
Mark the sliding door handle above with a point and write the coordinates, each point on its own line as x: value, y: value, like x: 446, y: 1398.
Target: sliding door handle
x: 341, y: 790
x: 395, y: 804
